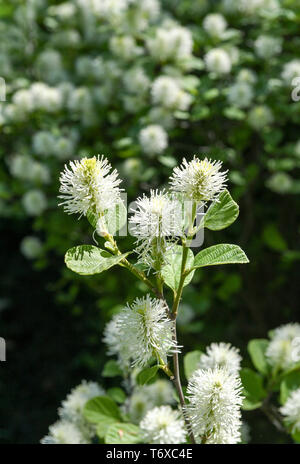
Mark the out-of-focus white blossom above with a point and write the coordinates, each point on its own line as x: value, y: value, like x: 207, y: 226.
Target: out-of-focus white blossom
x: 291, y: 411
x: 172, y: 43
x: 136, y: 81
x: 146, y: 331
x: 267, y: 46
x: 125, y: 47
x: 34, y: 202
x: 215, y: 401
x: 247, y: 75
x: 218, y: 61
x: 153, y: 139
x: 166, y: 92
x: 163, y: 425
x: 240, y: 94
x: 72, y: 407
x: 64, y: 433
x: 284, y: 348
x: 199, y: 180
x: 280, y: 182
x: 214, y: 24
x: 221, y: 355
x: 31, y: 247
x: 260, y: 116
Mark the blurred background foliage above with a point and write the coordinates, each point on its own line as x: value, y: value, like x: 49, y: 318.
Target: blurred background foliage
x: 52, y: 319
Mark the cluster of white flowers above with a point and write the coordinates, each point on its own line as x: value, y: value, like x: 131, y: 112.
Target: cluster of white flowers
x: 166, y: 91
x: 251, y: 7
x: 290, y: 71
x: 284, y: 348
x: 72, y: 428
x: 39, y: 96
x: 221, y: 355
x: 24, y: 167
x: 199, y: 180
x: 153, y: 139
x: 89, y: 184
x: 215, y: 401
x: 171, y: 43
x: 260, y: 116
x: 218, y: 61
x: 267, y: 46
x: 240, y: 94
x: 45, y: 143
x: 146, y: 332
x: 31, y: 247
x: 163, y: 425
x: 147, y: 397
x: 34, y: 202
x: 215, y: 24
x: 291, y: 411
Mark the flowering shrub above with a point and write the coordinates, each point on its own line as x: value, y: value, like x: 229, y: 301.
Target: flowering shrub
x: 146, y: 81
x: 143, y: 335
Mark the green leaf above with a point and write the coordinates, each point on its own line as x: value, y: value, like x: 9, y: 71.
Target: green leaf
x: 100, y: 406
x: 296, y: 436
x: 190, y: 362
x: 289, y: 383
x: 172, y: 270
x: 111, y: 369
x: 117, y: 394
x: 220, y: 254
x: 254, y: 390
x: 146, y: 375
x: 123, y: 434
x: 103, y: 425
x: 221, y: 213
x: 257, y: 349
x: 89, y: 260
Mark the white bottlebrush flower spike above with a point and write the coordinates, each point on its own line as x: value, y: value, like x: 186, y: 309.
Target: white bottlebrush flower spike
x: 283, y: 349
x: 146, y: 331
x: 64, y: 433
x: 114, y: 341
x: 291, y: 411
x: 214, y: 408
x: 221, y: 355
x: 199, y: 180
x: 164, y: 426
x: 155, y: 218
x: 89, y: 184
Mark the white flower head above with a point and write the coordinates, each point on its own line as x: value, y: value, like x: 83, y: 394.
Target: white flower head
x: 214, y: 24
x: 31, y: 247
x: 72, y: 406
x: 166, y: 92
x: 218, y: 61
x: 291, y: 411
x: 114, y: 341
x: 89, y: 184
x: 240, y: 94
x: 221, y: 355
x: 64, y: 433
x: 164, y: 426
x: 260, y: 116
x: 153, y: 139
x: 267, y: 46
x: 283, y: 349
x: 136, y: 81
x: 215, y: 403
x: 173, y: 43
x: 146, y: 331
x: 34, y: 202
x: 199, y: 180
x: 156, y: 220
